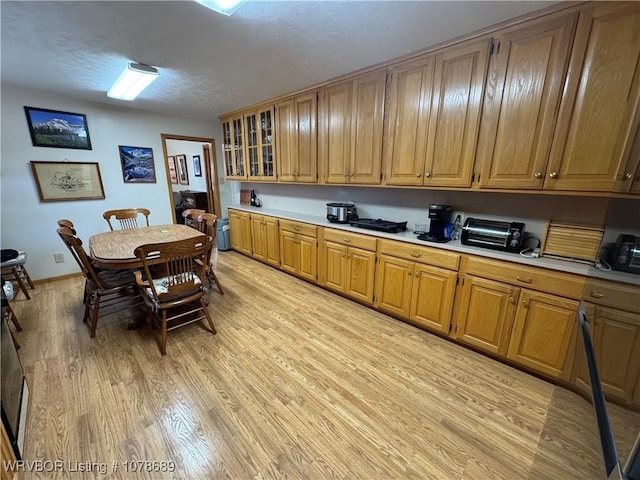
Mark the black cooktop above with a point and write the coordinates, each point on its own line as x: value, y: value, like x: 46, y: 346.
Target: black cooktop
x: 379, y: 224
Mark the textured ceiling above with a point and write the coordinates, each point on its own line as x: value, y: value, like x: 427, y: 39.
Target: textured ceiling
x: 211, y: 64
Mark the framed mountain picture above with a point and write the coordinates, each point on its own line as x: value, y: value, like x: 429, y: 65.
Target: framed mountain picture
x: 55, y: 129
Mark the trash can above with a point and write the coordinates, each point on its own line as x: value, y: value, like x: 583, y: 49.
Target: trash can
x: 223, y: 241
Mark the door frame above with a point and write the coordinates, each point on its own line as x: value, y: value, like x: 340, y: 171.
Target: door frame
x: 210, y: 167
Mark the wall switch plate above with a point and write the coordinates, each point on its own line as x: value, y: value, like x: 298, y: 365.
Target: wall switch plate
x: 58, y: 257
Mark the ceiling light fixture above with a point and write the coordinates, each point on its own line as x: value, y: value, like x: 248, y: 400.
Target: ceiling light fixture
x: 226, y: 7
x: 132, y: 81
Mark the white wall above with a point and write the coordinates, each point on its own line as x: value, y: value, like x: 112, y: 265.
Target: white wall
x: 30, y: 225
x: 189, y: 149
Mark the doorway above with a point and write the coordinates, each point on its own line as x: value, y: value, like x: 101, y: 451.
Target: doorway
x: 191, y: 166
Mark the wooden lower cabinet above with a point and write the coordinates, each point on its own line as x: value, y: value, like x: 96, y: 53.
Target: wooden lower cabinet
x: 485, y: 313
x: 421, y: 293
x: 298, y: 255
x: 543, y: 334
x: 349, y: 270
x: 240, y: 231
x: 616, y: 341
x: 265, y: 240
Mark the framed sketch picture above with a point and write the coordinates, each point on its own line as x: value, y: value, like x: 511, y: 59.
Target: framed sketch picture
x: 183, y: 172
x: 173, y: 174
x: 61, y: 181
x: 52, y: 128
x: 197, y: 172
x: 137, y: 164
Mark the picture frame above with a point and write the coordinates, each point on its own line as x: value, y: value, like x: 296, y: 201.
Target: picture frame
x: 65, y: 181
x: 137, y: 164
x: 57, y: 129
x: 183, y: 172
x: 197, y: 171
x: 173, y: 173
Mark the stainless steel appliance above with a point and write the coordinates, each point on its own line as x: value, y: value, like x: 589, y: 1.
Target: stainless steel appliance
x: 494, y: 235
x: 626, y: 255
x: 439, y: 216
x: 341, y: 212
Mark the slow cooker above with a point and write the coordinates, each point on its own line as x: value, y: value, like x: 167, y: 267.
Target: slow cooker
x: 341, y: 212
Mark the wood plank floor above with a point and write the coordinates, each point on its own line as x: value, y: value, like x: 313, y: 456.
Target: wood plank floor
x: 298, y: 384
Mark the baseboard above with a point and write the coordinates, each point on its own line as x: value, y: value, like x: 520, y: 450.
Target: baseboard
x: 55, y: 279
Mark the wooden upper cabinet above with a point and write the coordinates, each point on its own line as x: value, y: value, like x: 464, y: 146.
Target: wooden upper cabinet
x: 524, y: 85
x: 233, y: 152
x: 434, y: 114
x: 598, y: 115
x: 456, y: 103
x: 259, y: 140
x: 350, y: 131
x: 296, y: 124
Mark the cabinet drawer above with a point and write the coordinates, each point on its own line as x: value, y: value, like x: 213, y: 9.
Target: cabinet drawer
x: 350, y: 239
x: 431, y: 256
x: 617, y: 295
x: 297, y: 227
x: 564, y: 284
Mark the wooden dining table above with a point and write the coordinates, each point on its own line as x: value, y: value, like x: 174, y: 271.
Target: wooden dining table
x: 115, y: 249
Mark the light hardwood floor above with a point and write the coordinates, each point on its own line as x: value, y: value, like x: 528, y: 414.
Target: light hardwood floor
x: 298, y: 383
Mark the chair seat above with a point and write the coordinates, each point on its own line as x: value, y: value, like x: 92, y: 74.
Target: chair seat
x: 21, y: 259
x: 117, y: 278
x: 8, y: 290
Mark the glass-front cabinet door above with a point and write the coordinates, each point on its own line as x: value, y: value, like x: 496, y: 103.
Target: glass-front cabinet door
x: 260, y: 151
x: 233, y: 151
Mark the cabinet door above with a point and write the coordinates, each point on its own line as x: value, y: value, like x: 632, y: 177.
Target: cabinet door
x: 456, y: 103
x: 334, y: 142
x: 266, y: 142
x: 485, y: 314
x: 272, y: 241
x: 366, y: 128
x: 599, y: 111
x: 306, y: 137
x: 253, y: 148
x: 258, y: 243
x: 543, y: 333
x: 524, y: 85
x: 289, y: 252
x: 240, y: 232
x: 409, y: 100
x: 233, y: 147
x: 432, y: 297
x: 286, y: 144
x: 617, y: 346
x: 394, y: 278
x: 335, y: 266
x: 307, y: 266
x: 360, y: 274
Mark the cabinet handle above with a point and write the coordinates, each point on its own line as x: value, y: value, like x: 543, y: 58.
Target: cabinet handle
x: 418, y: 174
x: 409, y: 272
x: 427, y: 174
x: 415, y: 255
x: 523, y: 279
x: 344, y: 254
x: 628, y: 176
x: 512, y: 300
x: 525, y: 303
x: 417, y: 274
x: 346, y: 240
x: 553, y: 174
x: 297, y: 229
x: 597, y: 294
x: 538, y: 174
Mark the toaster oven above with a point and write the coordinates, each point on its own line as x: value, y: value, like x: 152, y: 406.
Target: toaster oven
x: 494, y: 235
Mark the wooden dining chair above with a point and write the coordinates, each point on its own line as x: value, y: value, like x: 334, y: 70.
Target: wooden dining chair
x: 128, y: 217
x: 102, y: 288
x: 13, y: 268
x: 206, y: 223
x: 63, y: 222
x: 191, y: 215
x: 171, y: 283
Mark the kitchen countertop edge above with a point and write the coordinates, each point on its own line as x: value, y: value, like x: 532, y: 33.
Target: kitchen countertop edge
x: 453, y: 246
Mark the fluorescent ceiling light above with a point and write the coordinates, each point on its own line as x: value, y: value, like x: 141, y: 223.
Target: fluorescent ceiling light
x: 226, y: 7
x: 132, y: 81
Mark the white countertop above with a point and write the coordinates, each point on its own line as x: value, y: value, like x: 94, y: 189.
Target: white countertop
x: 454, y: 246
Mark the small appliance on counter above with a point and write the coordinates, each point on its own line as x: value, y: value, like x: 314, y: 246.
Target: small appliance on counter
x: 503, y: 236
x: 626, y: 254
x: 379, y: 225
x: 440, y: 217
x: 341, y: 212
x: 255, y: 201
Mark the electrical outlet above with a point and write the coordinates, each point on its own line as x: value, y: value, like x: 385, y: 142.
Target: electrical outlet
x: 58, y: 257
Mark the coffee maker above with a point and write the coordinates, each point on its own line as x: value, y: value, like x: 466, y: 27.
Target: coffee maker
x: 439, y: 216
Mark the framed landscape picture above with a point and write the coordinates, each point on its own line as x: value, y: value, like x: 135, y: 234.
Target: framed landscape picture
x: 52, y: 128
x: 183, y: 172
x: 61, y: 181
x: 173, y: 174
x: 137, y: 164
x: 197, y: 172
